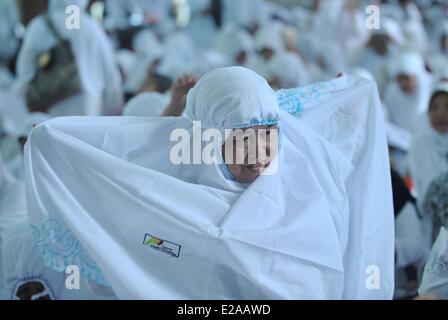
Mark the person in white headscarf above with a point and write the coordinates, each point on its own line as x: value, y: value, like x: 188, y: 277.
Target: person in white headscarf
x: 148, y: 53
x: 379, y: 50
x: 407, y: 94
x: 237, y: 44
x: 438, y: 55
x: 286, y: 71
x: 269, y: 42
x: 218, y: 220
x: 97, y: 68
x: 428, y: 157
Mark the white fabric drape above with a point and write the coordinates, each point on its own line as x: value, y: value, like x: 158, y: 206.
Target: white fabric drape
x: 322, y: 219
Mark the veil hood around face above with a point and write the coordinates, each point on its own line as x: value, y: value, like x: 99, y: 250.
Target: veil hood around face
x: 233, y: 97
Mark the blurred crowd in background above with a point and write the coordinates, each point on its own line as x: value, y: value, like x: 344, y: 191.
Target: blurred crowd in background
x: 140, y: 58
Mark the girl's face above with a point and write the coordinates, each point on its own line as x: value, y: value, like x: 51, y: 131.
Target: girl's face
x: 248, y: 152
x: 438, y: 112
x: 407, y: 83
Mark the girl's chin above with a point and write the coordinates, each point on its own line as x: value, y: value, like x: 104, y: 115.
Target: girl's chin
x: 441, y: 129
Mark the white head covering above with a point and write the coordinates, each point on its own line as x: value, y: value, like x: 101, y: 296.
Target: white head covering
x: 233, y: 40
x: 270, y: 37
x: 392, y: 29
x: 406, y: 110
x: 428, y: 158
x: 146, y: 105
x: 289, y: 69
x: 232, y: 98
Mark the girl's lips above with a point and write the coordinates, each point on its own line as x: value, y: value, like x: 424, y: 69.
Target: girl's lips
x: 256, y: 168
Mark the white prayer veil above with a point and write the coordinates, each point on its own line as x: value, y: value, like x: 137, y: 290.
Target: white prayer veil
x: 233, y: 40
x: 232, y: 98
x: 156, y: 230
x: 406, y: 110
x: 289, y: 69
x: 428, y: 158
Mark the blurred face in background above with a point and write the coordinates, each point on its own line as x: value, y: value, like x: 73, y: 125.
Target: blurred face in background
x: 241, y: 58
x: 438, y: 112
x: 407, y: 83
x: 379, y: 43
x: 267, y: 53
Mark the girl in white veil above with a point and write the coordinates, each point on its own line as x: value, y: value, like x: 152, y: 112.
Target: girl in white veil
x: 407, y: 94
x: 162, y: 230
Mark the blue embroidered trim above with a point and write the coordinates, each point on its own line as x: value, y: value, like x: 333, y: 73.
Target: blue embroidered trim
x: 255, y: 122
x: 58, y: 247
x: 293, y: 100
x: 289, y: 102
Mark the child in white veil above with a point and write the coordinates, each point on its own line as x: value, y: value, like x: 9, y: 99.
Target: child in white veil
x: 158, y: 230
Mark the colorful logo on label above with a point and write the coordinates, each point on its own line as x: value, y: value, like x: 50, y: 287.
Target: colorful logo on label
x: 164, y: 246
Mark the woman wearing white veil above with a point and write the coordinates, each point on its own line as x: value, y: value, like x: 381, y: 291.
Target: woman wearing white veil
x: 408, y: 92
x: 308, y: 228
x: 428, y: 157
